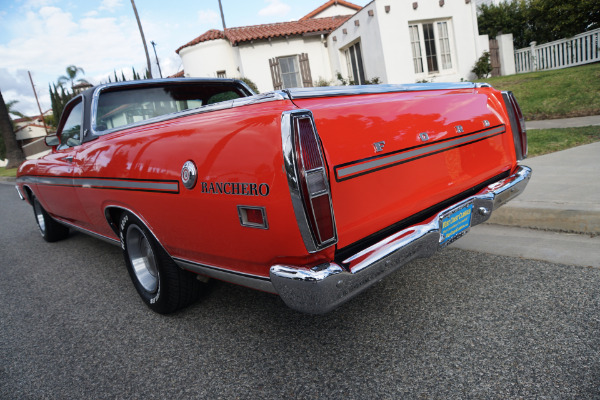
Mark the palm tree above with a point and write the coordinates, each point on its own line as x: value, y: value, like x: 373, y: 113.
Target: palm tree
x: 13, y: 151
x: 11, y: 111
x: 72, y: 72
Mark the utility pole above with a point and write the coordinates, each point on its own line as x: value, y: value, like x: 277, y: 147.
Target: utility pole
x: 38, y: 103
x: 137, y: 17
x: 222, y: 16
x: 155, y: 56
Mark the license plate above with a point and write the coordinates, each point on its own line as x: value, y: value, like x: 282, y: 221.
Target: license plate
x: 455, y: 224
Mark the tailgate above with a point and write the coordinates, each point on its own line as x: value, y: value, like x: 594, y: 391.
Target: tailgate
x: 393, y: 155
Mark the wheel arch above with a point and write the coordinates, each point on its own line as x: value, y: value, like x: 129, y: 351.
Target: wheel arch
x: 113, y: 214
x: 28, y: 191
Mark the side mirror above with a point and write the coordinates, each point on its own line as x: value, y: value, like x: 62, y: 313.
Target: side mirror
x: 52, y: 141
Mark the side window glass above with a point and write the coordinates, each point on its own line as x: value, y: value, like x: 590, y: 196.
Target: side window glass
x: 217, y: 98
x: 71, y: 132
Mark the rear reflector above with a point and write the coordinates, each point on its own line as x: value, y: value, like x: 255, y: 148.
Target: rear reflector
x: 253, y: 217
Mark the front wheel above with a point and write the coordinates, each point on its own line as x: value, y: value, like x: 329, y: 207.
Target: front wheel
x: 161, y: 284
x: 51, y: 230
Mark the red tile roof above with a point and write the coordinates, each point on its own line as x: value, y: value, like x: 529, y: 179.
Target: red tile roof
x: 329, y: 4
x: 267, y: 31
x: 180, y: 74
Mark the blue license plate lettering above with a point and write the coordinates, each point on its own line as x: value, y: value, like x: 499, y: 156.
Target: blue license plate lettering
x: 455, y: 224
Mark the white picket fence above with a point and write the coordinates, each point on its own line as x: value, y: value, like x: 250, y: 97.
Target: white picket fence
x: 580, y: 49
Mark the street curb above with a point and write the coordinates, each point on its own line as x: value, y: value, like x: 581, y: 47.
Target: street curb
x: 7, y: 179
x: 577, y: 221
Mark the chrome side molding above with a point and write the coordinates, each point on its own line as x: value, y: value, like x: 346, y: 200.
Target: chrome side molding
x: 330, y: 91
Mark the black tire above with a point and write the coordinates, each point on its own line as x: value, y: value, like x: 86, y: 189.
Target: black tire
x: 51, y: 230
x: 161, y: 284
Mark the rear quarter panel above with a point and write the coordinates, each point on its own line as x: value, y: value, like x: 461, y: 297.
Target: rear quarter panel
x: 238, y: 145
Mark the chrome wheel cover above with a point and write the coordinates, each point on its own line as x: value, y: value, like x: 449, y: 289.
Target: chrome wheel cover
x: 39, y: 216
x: 142, y: 258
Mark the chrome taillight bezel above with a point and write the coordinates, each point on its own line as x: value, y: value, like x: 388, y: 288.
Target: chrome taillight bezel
x: 517, y: 124
x: 296, y: 176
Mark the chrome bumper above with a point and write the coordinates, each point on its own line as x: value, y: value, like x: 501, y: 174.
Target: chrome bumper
x: 323, y: 288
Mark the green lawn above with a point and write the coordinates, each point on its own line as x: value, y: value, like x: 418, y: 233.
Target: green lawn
x: 544, y: 141
x: 562, y: 93
x: 8, y: 172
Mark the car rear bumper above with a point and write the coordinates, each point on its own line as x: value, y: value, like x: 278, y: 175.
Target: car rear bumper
x: 323, y: 288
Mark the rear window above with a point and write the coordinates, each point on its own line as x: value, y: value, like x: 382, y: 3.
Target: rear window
x: 118, y: 107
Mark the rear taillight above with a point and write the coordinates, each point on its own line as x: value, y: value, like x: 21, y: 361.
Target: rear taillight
x: 517, y: 124
x: 308, y: 180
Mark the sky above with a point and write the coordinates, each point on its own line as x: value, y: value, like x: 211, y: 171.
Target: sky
x: 101, y: 36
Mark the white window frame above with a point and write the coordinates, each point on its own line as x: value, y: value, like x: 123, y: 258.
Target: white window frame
x: 445, y: 53
x: 296, y: 71
x: 360, y: 64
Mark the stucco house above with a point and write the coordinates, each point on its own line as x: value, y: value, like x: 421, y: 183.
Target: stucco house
x: 30, y: 133
x: 29, y: 129
x: 396, y: 41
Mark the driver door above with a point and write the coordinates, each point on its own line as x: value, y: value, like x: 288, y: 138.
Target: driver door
x: 57, y: 192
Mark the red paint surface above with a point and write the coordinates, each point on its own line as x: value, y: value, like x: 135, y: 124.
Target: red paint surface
x: 243, y: 145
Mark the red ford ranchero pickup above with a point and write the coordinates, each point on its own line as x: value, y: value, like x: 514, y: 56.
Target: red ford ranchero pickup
x: 313, y: 194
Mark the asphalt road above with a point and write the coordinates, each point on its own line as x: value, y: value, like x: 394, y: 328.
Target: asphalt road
x: 459, y: 325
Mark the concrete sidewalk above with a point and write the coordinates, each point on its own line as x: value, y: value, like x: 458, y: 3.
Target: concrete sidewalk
x: 563, y: 194
x: 564, y: 123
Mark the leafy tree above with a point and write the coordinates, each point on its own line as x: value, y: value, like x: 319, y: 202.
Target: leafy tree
x: 557, y: 19
x: 59, y: 97
x: 10, y: 107
x: 538, y: 20
x: 72, y: 73
x: 506, y: 17
x: 9, y: 148
x: 483, y: 66
x: 345, y: 82
x: 250, y: 83
x: 136, y: 76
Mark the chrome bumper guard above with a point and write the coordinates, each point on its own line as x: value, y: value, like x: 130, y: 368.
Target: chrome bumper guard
x: 324, y: 287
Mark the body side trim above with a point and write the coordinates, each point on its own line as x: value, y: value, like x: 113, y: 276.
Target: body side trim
x: 357, y: 168
x: 165, y: 186
x: 261, y: 283
x: 88, y: 232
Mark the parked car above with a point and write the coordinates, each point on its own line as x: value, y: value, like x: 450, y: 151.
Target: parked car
x: 313, y: 194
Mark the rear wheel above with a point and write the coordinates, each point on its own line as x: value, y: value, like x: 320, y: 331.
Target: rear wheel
x: 51, y: 230
x: 161, y: 284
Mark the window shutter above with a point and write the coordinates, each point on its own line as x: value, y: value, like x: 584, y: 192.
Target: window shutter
x: 305, y: 71
x: 275, y: 74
